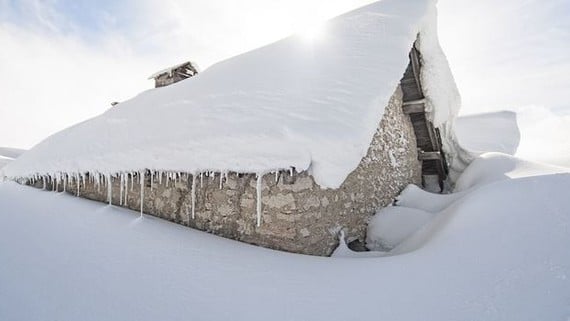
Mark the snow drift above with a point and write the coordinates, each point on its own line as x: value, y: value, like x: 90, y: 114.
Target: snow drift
x: 309, y: 105
x: 489, y: 132
x: 8, y: 154
x: 499, y: 252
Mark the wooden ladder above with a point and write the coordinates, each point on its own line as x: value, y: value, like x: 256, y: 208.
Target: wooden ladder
x: 430, y: 152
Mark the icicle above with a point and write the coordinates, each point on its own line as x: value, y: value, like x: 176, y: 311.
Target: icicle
x: 151, y: 180
x: 193, y: 193
x: 276, y: 176
x: 77, y: 183
x: 160, y: 177
x: 64, y: 183
x: 221, y: 179
x: 132, y: 175
x: 126, y: 189
x: 258, y: 190
x: 109, y: 189
x: 56, y: 185
x: 44, y: 182
x: 141, y: 175
x: 121, y: 185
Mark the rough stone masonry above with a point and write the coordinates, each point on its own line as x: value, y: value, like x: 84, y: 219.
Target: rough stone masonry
x: 297, y: 214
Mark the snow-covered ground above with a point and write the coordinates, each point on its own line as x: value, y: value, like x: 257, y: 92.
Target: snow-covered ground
x: 495, y: 249
x: 498, y: 251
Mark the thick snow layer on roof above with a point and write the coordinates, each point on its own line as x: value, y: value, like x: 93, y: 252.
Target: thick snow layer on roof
x: 312, y: 105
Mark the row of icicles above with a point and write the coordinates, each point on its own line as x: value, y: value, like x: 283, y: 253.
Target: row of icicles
x: 128, y: 179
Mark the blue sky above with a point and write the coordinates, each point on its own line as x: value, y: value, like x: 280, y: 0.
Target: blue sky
x: 508, y: 54
x: 85, y: 17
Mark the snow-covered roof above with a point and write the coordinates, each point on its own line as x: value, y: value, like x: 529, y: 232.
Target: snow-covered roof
x: 313, y: 105
x: 172, y: 68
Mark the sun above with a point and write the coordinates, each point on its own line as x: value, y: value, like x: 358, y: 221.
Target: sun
x: 312, y: 32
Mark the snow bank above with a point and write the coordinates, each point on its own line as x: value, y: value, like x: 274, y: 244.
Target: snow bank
x: 498, y: 253
x: 489, y: 132
x: 492, y: 167
x: 8, y: 154
x: 545, y: 135
x: 415, y: 207
x: 309, y: 105
x: 4, y: 161
x: 414, y: 197
x: 391, y: 225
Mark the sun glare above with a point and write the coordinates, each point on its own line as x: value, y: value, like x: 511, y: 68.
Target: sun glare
x: 312, y: 32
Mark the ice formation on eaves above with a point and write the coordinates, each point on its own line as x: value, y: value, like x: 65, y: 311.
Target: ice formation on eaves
x: 309, y: 105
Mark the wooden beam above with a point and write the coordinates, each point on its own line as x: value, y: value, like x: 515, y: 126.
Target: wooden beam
x: 413, y: 102
x: 413, y: 108
x: 429, y: 155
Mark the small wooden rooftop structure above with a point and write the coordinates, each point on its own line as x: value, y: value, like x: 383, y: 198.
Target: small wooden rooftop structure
x: 430, y: 153
x: 174, y: 74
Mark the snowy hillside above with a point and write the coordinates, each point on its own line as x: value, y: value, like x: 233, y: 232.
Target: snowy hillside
x: 295, y: 103
x: 8, y: 154
x: 496, y: 252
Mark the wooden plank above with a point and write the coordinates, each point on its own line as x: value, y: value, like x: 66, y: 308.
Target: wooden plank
x: 416, y: 66
x: 413, y: 108
x: 409, y: 85
x: 429, y: 155
x: 412, y: 102
x: 432, y: 137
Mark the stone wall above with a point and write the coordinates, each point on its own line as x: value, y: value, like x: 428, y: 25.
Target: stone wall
x: 297, y: 214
